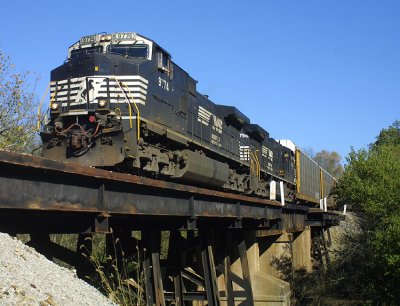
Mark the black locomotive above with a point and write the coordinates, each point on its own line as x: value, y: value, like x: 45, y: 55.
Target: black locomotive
x: 120, y: 101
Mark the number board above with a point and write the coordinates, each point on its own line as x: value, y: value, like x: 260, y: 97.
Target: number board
x: 124, y: 36
x: 88, y: 39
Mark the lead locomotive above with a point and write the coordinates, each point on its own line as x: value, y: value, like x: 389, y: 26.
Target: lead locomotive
x: 119, y: 100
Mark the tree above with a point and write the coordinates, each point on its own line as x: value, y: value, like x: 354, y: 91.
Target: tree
x: 330, y: 161
x: 309, y: 151
x: 17, y: 108
x: 371, y: 184
x: 389, y: 136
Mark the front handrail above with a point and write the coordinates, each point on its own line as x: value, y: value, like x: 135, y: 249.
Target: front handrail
x: 130, y: 107
x: 41, y: 103
x: 120, y: 84
x: 256, y: 162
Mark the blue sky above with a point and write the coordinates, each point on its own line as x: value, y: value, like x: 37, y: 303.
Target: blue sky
x: 324, y: 74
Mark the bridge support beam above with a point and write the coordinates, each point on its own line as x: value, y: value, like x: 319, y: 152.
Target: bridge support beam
x: 151, y: 239
x: 215, y: 264
x: 267, y: 288
x: 301, y: 250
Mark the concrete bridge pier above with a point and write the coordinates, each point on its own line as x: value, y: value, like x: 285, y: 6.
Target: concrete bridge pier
x: 270, y: 259
x: 267, y: 287
x: 301, y: 250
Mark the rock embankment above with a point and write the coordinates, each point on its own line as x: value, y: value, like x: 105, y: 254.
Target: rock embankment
x: 28, y: 278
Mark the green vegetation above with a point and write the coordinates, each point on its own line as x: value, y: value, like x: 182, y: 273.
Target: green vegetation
x: 121, y: 280
x: 329, y: 160
x: 371, y: 185
x: 18, y: 108
x: 366, y: 265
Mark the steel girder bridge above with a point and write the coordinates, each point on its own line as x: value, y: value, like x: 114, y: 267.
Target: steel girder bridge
x: 208, y: 254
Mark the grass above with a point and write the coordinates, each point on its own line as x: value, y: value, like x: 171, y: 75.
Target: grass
x: 118, y: 276
x: 121, y: 279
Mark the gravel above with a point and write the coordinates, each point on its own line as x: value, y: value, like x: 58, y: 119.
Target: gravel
x: 28, y: 278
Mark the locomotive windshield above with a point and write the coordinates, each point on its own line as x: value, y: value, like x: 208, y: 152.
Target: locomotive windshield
x: 75, y: 53
x: 130, y: 50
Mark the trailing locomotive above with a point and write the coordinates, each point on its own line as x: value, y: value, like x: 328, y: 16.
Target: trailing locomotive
x: 120, y: 101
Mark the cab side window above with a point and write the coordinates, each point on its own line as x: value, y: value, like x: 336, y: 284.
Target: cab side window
x: 164, y: 63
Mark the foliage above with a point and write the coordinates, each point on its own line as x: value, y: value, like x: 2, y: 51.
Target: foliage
x: 309, y: 151
x: 330, y: 161
x: 17, y: 109
x: 353, y: 276
x: 366, y: 265
x: 371, y: 185
x: 389, y: 136
x: 121, y: 280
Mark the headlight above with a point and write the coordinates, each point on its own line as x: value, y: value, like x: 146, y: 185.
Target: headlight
x: 102, y: 103
x: 105, y: 37
x: 54, y: 106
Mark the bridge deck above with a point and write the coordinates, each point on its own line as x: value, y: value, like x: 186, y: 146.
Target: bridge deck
x: 34, y: 188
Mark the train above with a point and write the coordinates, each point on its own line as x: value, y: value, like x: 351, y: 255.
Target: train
x: 120, y: 102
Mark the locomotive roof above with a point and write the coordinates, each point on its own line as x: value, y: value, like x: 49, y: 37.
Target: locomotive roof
x: 118, y: 36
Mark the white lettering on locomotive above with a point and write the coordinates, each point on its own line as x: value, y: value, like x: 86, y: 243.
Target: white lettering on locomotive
x: 267, y: 153
x: 163, y: 84
x: 216, y: 140
x: 204, y: 116
x: 269, y: 156
x: 217, y: 124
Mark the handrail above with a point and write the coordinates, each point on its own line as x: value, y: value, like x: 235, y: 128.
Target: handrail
x: 40, y: 106
x: 129, y: 104
x: 254, y: 161
x: 41, y: 103
x: 119, y: 84
x: 251, y: 163
x: 130, y: 108
x: 258, y: 164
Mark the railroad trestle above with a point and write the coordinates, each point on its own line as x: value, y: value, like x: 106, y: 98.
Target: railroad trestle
x: 220, y: 244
